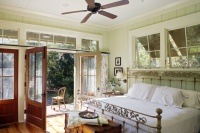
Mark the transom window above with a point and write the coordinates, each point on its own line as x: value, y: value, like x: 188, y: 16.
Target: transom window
x: 54, y: 41
x: 90, y: 45
x: 148, y: 51
x: 8, y: 36
x: 184, y: 47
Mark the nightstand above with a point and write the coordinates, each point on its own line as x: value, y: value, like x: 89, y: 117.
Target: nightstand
x: 112, y: 94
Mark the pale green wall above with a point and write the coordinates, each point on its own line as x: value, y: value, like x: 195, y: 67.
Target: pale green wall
x: 118, y: 36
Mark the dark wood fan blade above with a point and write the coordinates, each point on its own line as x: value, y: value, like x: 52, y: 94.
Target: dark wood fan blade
x: 86, y: 17
x: 107, y: 14
x: 114, y: 4
x: 90, y: 3
x: 73, y: 12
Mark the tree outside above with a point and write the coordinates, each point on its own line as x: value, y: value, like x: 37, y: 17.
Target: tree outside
x: 60, y: 72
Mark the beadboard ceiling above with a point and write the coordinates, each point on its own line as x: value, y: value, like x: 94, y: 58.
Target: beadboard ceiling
x: 54, y: 8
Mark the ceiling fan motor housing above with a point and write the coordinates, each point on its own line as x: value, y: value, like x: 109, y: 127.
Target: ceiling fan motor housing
x: 95, y: 9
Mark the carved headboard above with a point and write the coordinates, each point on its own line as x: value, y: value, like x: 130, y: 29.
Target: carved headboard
x: 183, y: 79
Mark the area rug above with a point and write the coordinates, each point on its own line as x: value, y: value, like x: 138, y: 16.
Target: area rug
x: 55, y: 109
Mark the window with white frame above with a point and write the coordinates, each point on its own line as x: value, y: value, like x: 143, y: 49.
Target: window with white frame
x: 148, y: 51
x: 90, y: 45
x: 53, y: 41
x: 8, y: 36
x: 184, y: 47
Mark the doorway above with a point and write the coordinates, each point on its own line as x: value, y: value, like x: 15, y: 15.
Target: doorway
x: 60, y: 73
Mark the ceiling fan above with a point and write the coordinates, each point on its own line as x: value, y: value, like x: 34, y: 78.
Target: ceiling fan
x: 94, y: 8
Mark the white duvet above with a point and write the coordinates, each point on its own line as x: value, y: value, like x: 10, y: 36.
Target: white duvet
x: 174, y: 120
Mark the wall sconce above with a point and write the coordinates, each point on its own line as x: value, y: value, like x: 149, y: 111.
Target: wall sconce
x: 119, y: 76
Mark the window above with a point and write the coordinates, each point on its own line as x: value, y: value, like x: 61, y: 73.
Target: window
x: 184, y: 47
x: 53, y: 41
x: 6, y: 76
x: 90, y: 45
x: 8, y: 36
x: 148, y: 51
x: 88, y: 75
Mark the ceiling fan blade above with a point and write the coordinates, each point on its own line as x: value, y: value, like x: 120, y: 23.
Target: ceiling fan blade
x: 73, y: 12
x: 86, y: 17
x: 114, y: 4
x: 90, y: 3
x: 107, y: 14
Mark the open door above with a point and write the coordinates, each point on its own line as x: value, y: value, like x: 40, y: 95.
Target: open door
x: 88, y: 74
x: 36, y: 70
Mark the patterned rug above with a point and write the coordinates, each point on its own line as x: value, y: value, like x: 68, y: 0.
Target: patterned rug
x: 55, y: 109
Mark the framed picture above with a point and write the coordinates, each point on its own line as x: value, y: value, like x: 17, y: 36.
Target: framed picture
x: 117, y: 69
x: 118, y: 61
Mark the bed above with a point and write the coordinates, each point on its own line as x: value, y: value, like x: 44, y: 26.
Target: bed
x: 156, y: 101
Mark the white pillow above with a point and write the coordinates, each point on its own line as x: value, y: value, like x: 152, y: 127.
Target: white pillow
x: 190, y: 98
x: 142, y: 91
x: 130, y: 91
x: 168, y: 96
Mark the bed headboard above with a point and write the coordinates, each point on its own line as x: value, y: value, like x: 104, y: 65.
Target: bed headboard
x: 183, y: 79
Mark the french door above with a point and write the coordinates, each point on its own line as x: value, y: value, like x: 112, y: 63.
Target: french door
x: 8, y: 86
x: 88, y: 74
x: 36, y: 70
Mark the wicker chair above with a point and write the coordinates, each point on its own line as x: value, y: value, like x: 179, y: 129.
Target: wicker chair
x: 59, y: 98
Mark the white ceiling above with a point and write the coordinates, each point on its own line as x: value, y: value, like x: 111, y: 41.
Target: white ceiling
x: 54, y: 8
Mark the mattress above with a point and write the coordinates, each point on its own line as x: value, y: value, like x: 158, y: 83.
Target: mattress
x: 174, y: 120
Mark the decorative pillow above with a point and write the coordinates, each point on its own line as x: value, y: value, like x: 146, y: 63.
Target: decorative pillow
x: 190, y: 98
x: 168, y: 96
x: 142, y: 91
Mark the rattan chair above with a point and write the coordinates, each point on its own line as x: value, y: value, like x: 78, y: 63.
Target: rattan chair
x: 59, y: 98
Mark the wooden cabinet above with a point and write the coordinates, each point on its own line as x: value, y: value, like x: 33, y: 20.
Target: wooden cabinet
x: 111, y: 127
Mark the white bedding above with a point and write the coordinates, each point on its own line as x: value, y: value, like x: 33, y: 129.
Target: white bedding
x: 174, y: 120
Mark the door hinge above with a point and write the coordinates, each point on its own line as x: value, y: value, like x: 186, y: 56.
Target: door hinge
x: 25, y: 84
x: 25, y: 56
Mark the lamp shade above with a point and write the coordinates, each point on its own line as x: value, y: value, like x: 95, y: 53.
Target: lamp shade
x: 119, y: 75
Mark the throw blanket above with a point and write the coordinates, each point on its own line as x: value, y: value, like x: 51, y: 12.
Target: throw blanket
x: 74, y: 120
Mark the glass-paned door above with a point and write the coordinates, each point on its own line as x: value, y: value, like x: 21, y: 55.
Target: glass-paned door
x: 8, y: 86
x: 88, y: 74
x: 36, y: 67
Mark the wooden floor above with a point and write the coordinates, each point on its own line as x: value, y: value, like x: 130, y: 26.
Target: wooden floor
x: 55, y: 124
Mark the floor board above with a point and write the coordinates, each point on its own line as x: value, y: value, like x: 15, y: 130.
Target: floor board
x: 55, y: 124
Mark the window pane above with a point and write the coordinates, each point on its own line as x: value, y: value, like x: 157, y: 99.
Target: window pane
x: 194, y: 56
x: 46, y: 39
x: 31, y: 76
x: 8, y: 64
x: 91, y: 45
x: 10, y: 36
x: 71, y: 43
x: 59, y: 41
x: 38, y: 89
x: 8, y: 88
x: 32, y: 38
x: 38, y: 77
x: 154, y: 42
x: 193, y: 35
x: 88, y: 71
x: 177, y: 38
x: 143, y: 59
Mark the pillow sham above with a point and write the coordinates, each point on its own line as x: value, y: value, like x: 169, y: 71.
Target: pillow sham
x: 190, y: 98
x: 142, y: 91
x: 168, y: 96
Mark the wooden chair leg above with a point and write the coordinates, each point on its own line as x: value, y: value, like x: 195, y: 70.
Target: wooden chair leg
x: 64, y: 102
x: 58, y: 104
